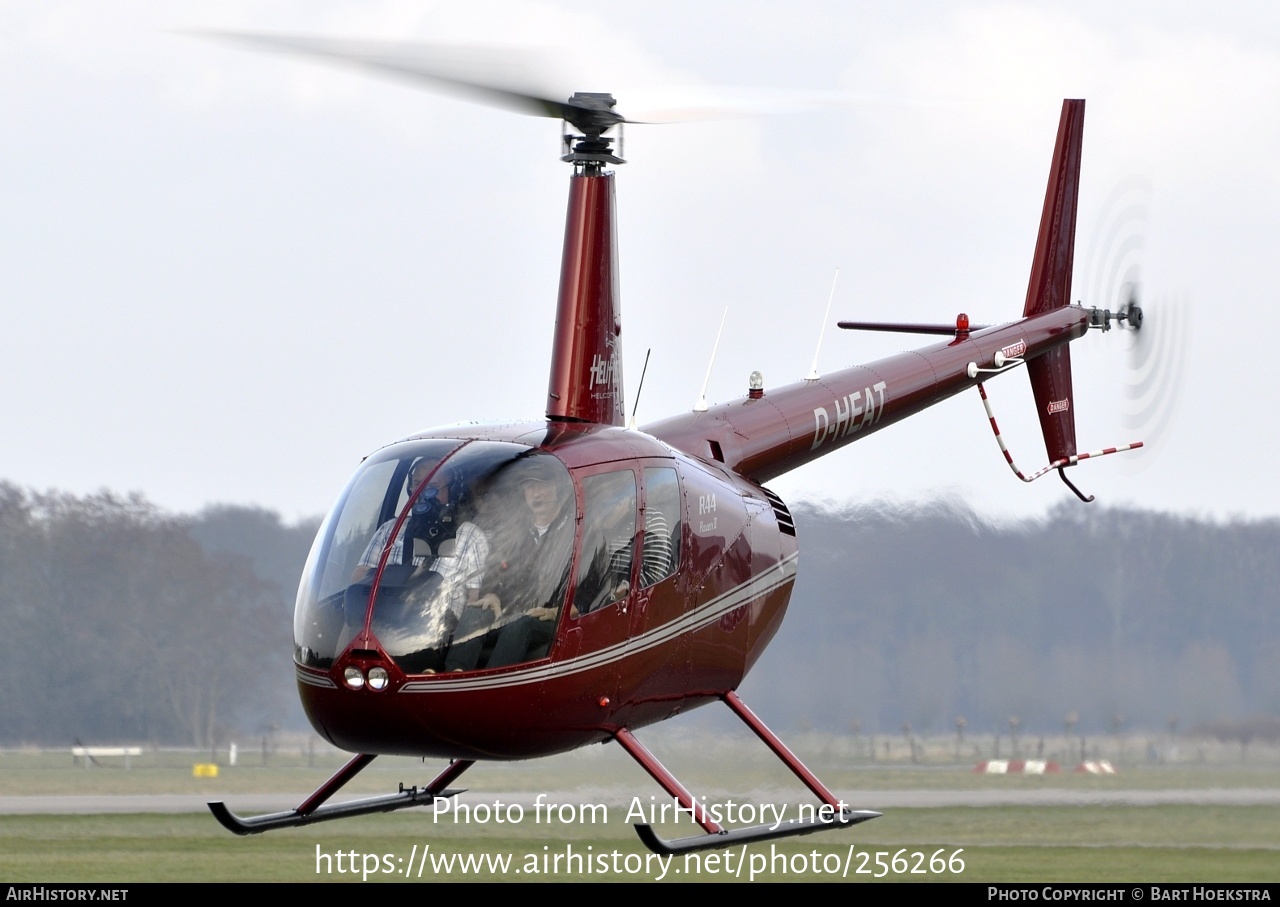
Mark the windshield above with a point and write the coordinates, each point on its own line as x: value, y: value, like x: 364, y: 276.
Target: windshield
x: 454, y: 555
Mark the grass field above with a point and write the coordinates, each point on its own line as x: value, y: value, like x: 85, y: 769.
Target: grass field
x: 1001, y: 844
x: 1096, y: 840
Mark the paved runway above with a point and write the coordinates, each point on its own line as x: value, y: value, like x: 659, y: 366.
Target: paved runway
x: 251, y: 804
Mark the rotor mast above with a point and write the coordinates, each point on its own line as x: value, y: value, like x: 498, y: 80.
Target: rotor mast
x: 585, y: 384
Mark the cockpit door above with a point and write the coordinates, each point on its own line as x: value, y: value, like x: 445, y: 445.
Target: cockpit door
x: 598, y: 622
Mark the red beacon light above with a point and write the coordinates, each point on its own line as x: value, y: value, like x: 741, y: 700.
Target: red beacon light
x: 962, y: 325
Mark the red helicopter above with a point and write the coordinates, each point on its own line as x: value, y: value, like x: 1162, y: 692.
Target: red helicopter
x: 503, y: 592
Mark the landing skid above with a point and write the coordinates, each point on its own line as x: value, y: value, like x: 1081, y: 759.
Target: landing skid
x: 833, y: 814
x: 312, y: 809
x: 748, y: 835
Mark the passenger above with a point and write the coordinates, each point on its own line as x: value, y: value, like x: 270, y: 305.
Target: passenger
x: 431, y: 519
x: 462, y: 565
x: 419, y: 610
x: 658, y: 560
x: 604, y: 574
x: 436, y: 606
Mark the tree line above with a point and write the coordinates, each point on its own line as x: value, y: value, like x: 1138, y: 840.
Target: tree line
x: 1102, y: 617
x: 119, y: 621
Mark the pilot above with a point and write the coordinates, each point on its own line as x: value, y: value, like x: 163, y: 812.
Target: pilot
x: 531, y: 580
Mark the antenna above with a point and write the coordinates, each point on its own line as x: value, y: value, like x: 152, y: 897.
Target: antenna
x: 632, y: 426
x: 813, y: 369
x: 701, y: 405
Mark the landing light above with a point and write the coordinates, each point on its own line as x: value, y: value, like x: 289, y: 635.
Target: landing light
x: 378, y: 678
x: 353, y: 677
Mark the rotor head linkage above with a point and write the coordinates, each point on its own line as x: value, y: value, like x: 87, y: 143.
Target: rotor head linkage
x: 592, y: 113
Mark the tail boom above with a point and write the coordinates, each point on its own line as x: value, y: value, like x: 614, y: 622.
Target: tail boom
x: 765, y: 437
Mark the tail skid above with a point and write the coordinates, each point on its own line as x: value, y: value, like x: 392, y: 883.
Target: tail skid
x: 1059, y: 464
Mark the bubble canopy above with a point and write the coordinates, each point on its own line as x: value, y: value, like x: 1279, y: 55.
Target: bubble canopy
x: 453, y: 554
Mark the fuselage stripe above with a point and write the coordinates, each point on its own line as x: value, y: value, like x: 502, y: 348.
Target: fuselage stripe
x: 312, y: 679
x: 757, y: 587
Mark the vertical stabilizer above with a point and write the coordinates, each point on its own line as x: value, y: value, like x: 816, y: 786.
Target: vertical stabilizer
x: 586, y: 360
x: 1050, y: 285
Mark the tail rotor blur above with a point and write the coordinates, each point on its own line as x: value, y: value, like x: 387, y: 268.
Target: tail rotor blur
x: 1156, y: 326
x: 1153, y: 381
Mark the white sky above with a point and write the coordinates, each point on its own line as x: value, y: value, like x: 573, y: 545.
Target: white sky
x: 227, y: 276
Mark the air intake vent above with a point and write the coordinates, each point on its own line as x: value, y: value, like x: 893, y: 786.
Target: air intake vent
x: 785, y: 523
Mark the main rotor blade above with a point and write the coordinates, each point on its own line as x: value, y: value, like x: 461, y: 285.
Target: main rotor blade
x: 533, y: 81
x: 500, y: 77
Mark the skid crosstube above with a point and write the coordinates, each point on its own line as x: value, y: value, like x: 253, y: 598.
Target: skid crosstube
x: 312, y: 809
x: 833, y: 814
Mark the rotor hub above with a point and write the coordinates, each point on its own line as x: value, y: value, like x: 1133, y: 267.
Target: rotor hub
x: 592, y: 113
x: 1129, y: 315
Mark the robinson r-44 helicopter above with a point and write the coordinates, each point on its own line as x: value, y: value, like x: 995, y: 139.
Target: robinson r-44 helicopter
x: 504, y: 592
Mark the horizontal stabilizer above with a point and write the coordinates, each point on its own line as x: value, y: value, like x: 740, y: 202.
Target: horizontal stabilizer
x: 904, y: 327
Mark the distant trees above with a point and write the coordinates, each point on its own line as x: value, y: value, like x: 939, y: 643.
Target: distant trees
x: 1093, y: 610
x: 1242, y: 730
x: 116, y: 623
